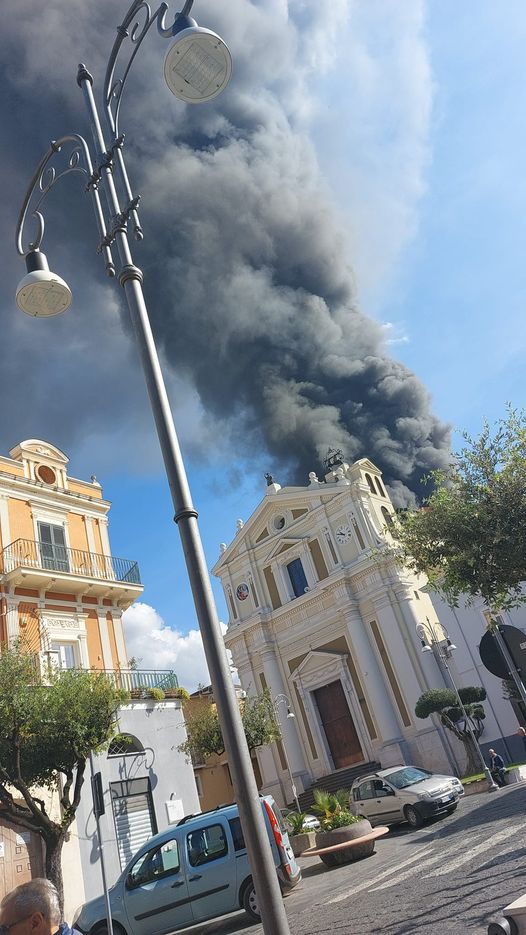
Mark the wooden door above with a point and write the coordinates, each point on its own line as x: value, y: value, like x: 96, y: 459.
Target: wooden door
x: 20, y: 857
x: 338, y: 725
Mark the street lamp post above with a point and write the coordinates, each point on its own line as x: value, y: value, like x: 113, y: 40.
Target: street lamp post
x: 197, y: 68
x: 442, y: 647
x: 277, y: 701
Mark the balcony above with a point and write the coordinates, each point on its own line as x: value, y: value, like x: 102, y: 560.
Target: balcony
x: 137, y: 682
x: 41, y: 565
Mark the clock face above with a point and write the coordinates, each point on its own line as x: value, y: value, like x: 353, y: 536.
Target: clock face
x: 344, y: 533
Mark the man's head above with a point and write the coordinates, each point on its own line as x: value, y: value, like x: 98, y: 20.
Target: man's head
x: 31, y: 909
x: 521, y: 732
x: 492, y: 752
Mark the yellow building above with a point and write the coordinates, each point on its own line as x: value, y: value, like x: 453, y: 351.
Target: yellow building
x: 63, y: 594
x: 61, y: 590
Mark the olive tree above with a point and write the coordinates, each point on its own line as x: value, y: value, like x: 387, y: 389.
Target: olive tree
x: 465, y: 721
x: 470, y: 537
x: 49, y: 727
x: 204, y: 737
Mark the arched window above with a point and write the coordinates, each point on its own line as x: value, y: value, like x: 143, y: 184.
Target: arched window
x: 370, y: 482
x: 381, y: 490
x: 387, y: 516
x: 125, y: 745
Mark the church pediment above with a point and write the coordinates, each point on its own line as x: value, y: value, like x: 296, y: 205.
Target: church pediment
x: 316, y: 661
x: 283, y: 546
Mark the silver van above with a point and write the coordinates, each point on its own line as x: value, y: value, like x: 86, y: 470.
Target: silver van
x: 192, y: 872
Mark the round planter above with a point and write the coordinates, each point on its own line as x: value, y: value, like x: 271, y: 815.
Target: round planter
x: 300, y: 842
x: 349, y: 833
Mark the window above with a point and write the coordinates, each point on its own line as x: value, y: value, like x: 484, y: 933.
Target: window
x: 364, y: 791
x: 125, y: 745
x: 162, y: 861
x: 237, y: 834
x: 297, y: 577
x: 387, y: 517
x: 206, y: 844
x: 370, y: 482
x: 52, y: 544
x: 64, y: 655
x: 379, y: 487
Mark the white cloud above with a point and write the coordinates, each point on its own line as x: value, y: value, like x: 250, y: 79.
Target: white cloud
x: 157, y: 646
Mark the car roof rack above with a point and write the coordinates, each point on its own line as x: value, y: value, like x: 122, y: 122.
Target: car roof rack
x: 209, y: 811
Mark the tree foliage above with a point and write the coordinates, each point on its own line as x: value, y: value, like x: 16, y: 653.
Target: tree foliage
x: 204, y: 737
x: 470, y: 538
x: 466, y: 722
x: 48, y: 729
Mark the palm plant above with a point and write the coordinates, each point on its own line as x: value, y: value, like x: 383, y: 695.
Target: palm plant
x: 333, y: 809
x: 296, y: 820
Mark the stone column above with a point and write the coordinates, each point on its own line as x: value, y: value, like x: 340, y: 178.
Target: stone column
x: 289, y: 732
x: 373, y: 678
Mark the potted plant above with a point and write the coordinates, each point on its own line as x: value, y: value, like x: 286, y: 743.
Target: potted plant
x: 300, y: 837
x: 338, y: 824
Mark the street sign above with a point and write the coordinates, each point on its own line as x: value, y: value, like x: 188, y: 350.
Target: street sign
x: 98, y: 795
x: 492, y: 658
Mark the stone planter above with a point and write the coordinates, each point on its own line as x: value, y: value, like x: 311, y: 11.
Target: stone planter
x: 300, y: 842
x: 349, y: 833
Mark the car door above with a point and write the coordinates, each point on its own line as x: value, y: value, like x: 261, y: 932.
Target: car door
x: 386, y: 801
x: 363, y: 800
x: 156, y: 893
x: 211, y: 871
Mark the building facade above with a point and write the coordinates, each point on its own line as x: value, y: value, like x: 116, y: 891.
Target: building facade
x: 321, y: 614
x: 63, y: 594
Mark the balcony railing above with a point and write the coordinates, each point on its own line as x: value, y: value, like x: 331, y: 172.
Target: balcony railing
x: 130, y: 680
x: 26, y: 553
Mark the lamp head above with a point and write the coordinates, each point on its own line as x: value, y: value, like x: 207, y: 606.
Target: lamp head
x: 290, y: 714
x: 198, y: 65
x: 42, y: 293
x: 426, y: 649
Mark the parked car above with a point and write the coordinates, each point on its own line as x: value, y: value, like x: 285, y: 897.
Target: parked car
x: 455, y: 782
x: 310, y: 822
x: 192, y: 872
x: 403, y: 793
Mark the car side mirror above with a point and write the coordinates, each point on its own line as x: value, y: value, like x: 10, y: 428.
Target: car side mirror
x: 387, y: 791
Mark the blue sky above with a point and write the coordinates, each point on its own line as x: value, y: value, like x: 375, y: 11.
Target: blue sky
x: 412, y: 115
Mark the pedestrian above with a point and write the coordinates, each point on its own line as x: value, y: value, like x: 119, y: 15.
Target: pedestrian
x: 522, y: 733
x: 496, y: 766
x: 33, y: 909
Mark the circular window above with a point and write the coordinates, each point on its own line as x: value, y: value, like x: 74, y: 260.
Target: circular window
x: 46, y: 474
x: 278, y: 522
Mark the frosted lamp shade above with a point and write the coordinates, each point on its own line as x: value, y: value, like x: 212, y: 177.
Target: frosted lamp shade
x: 43, y: 294
x: 198, y: 65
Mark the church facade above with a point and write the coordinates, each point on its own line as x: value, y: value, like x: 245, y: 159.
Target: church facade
x: 323, y: 616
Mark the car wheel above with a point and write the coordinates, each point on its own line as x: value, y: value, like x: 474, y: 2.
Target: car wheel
x: 413, y: 816
x: 250, y: 902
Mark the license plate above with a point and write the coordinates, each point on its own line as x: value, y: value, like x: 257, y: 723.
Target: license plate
x: 447, y: 798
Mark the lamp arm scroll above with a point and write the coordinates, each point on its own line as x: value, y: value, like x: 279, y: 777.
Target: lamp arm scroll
x: 77, y: 159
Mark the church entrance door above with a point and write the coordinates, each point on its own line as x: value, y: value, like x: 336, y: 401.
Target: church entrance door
x: 338, y: 725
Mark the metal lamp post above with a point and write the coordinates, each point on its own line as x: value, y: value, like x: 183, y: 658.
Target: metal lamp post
x: 277, y: 701
x: 197, y: 68
x: 442, y: 649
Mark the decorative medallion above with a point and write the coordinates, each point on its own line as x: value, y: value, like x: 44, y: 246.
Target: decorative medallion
x: 242, y: 591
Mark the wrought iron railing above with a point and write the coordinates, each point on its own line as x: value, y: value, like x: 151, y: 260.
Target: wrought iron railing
x: 131, y: 680
x: 26, y: 553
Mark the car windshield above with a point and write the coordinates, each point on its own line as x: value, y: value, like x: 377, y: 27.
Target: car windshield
x: 408, y: 776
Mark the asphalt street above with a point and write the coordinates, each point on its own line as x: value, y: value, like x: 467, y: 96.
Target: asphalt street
x: 452, y: 876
